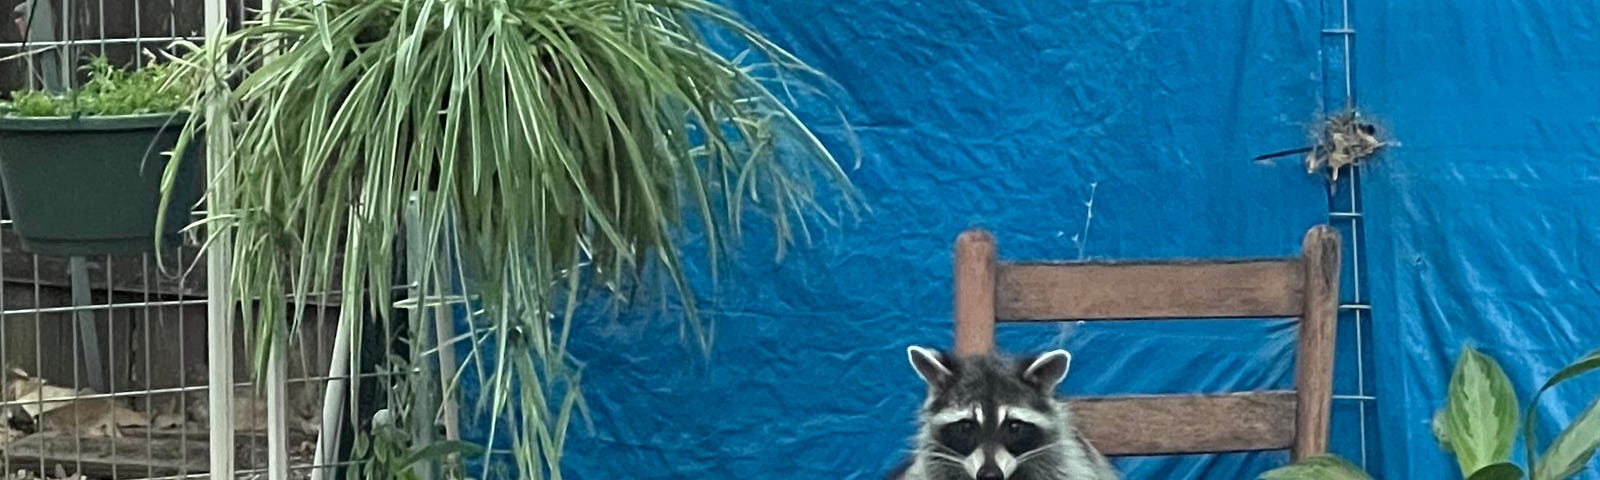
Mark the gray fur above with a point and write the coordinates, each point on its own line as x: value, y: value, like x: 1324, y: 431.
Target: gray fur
x: 1036, y: 440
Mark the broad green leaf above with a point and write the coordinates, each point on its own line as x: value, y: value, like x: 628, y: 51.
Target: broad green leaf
x: 1530, y: 417
x: 1498, y: 471
x: 1319, y: 467
x: 1573, y: 449
x: 1480, y: 413
x: 1441, y: 433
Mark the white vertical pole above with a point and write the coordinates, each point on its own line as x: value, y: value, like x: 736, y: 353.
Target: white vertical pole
x: 277, y: 377
x: 425, y: 398
x: 277, y: 408
x: 445, y: 327
x: 332, y: 401
x: 433, y: 392
x: 219, y: 304
x: 340, y: 380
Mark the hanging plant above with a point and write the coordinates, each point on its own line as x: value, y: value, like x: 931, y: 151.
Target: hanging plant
x: 560, y: 145
x: 82, y: 171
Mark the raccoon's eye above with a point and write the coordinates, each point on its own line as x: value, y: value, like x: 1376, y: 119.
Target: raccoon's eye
x: 1022, y: 437
x: 960, y: 437
x: 963, y: 427
x: 1017, y: 426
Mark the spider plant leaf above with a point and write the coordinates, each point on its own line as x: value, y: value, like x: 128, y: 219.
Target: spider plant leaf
x: 550, y: 149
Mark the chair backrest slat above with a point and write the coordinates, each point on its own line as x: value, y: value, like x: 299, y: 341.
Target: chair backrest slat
x: 1149, y: 291
x: 1187, y: 424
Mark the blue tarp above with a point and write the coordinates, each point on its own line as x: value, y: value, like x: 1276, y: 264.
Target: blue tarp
x: 1484, y: 223
x: 1014, y: 115
x: 999, y: 114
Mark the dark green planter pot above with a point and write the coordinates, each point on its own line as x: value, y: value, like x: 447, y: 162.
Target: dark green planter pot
x: 92, y: 185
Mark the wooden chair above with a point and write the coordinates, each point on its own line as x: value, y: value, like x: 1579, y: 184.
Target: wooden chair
x: 1305, y: 287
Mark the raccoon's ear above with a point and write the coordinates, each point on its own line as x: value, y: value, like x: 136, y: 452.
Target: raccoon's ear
x: 1048, y: 370
x: 929, y: 365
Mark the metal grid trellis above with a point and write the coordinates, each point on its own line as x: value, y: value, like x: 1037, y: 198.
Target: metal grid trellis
x: 107, y: 357
x: 1345, y: 212
x: 155, y: 373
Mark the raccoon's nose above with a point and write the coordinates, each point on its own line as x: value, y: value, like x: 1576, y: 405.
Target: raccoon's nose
x: 990, y: 472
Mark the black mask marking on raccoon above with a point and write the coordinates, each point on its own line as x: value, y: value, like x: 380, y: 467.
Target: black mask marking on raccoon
x: 989, y: 417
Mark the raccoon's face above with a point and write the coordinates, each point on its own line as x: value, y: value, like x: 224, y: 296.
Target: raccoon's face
x: 988, y: 417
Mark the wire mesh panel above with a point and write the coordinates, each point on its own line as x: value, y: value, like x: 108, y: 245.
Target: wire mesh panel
x: 105, y: 356
x: 1355, y: 404
x: 148, y: 419
x: 45, y: 32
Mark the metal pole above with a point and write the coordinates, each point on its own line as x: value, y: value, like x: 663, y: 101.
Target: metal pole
x: 435, y: 403
x: 78, y: 273
x: 277, y: 408
x: 425, y: 396
x: 332, y: 400
x: 38, y: 22
x: 277, y: 377
x: 445, y: 334
x: 219, y: 308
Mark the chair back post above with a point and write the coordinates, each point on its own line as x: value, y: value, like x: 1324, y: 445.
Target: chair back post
x: 1314, y: 361
x: 976, y: 265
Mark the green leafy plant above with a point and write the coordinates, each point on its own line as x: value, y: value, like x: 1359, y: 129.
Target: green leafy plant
x: 394, y: 451
x: 551, y: 147
x: 153, y: 88
x: 1318, y: 467
x: 1479, y: 425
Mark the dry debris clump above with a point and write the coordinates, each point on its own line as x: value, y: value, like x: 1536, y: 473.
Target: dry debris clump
x: 1343, y: 140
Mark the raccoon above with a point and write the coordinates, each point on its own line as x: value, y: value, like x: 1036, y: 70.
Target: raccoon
x: 989, y: 417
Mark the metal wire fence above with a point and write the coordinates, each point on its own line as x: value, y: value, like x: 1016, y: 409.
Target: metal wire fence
x: 116, y: 388
x: 106, y: 357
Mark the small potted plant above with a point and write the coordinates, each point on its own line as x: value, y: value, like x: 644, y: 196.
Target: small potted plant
x: 82, y: 172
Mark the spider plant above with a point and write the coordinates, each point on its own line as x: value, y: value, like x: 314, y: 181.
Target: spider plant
x: 553, y: 146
